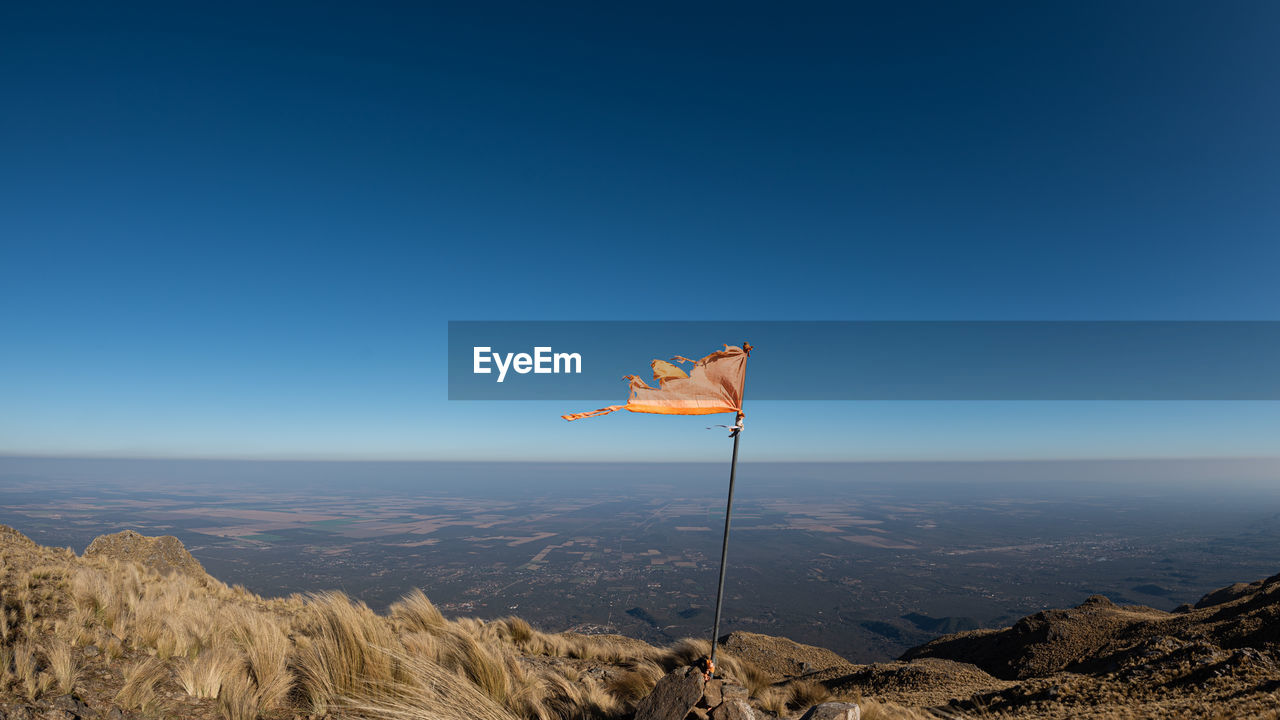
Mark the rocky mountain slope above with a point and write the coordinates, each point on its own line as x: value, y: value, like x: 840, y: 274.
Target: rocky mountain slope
x: 135, y: 628
x: 1217, y: 657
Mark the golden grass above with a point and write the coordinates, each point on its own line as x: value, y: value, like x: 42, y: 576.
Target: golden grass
x: 804, y: 694
x: 266, y: 649
x: 6, y: 666
x: 519, y: 631
x: 139, y: 689
x: 415, y: 613
x: 326, y: 653
x: 754, y: 679
x: 635, y: 682
x: 203, y: 676
x: 343, y: 650
x: 27, y: 669
x: 78, y: 626
x: 482, y: 665
x: 425, y: 691
x: 774, y: 700
x: 63, y: 664
x: 567, y: 695
x: 238, y: 699
x: 112, y: 648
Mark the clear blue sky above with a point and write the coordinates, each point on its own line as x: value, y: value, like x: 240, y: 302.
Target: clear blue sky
x: 238, y: 230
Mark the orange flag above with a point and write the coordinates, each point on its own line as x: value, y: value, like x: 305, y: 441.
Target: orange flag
x: 713, y: 385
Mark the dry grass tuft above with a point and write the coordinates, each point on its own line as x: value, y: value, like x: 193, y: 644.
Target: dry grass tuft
x: 519, y: 631
x: 632, y: 685
x: 63, y: 665
x: 874, y: 710
x: 756, y: 680
x: 266, y: 649
x: 25, y: 668
x: 426, y: 691
x: 6, y: 666
x: 421, y: 644
x: 139, y: 689
x: 238, y: 699
x: 27, y: 671
x: 203, y: 676
x: 111, y: 647
x: 415, y: 613
x: 342, y: 652
x: 774, y: 700
x: 804, y: 694
x: 578, y: 698
x: 481, y: 665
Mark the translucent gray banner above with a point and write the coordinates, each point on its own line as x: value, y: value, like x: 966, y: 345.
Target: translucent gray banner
x: 814, y: 360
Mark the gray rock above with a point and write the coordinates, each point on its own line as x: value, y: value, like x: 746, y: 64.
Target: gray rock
x: 72, y: 706
x: 16, y: 712
x: 712, y: 696
x: 674, y: 695
x: 733, y: 710
x: 735, y: 692
x: 833, y: 711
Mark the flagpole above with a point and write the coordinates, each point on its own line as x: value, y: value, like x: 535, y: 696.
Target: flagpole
x: 724, y: 546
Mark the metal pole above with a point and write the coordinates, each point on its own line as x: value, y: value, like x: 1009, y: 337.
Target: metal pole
x: 724, y: 547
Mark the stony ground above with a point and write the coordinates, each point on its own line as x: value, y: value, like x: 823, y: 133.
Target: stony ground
x: 1217, y: 659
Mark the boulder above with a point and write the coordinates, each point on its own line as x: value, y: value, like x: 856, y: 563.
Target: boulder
x: 165, y: 554
x: 833, y: 711
x: 733, y: 710
x: 72, y: 706
x: 722, y: 689
x: 712, y: 694
x: 674, y: 695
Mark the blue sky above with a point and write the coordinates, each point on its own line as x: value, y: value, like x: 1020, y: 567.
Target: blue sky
x: 239, y: 231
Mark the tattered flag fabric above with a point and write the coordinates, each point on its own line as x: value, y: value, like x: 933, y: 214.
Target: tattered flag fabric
x: 713, y: 385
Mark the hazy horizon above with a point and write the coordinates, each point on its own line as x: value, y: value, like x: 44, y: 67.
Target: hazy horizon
x: 712, y: 475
